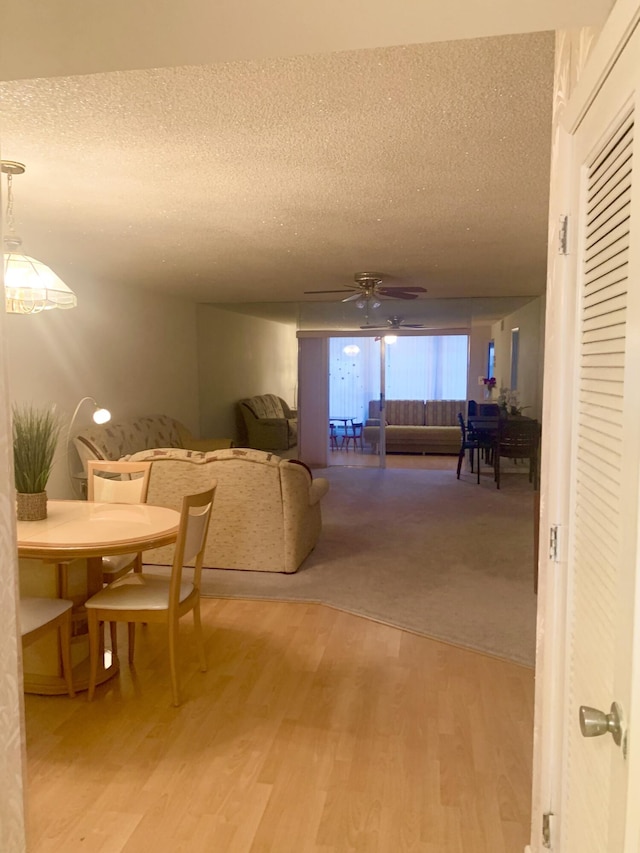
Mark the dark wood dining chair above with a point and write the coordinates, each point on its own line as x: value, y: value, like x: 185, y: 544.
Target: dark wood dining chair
x: 518, y: 438
x: 333, y: 436
x: 469, y: 442
x: 353, y: 433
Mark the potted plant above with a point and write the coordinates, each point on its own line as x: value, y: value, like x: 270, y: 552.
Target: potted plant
x: 35, y: 436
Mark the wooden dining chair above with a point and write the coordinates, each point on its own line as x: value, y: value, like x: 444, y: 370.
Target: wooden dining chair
x: 352, y: 433
x: 468, y: 442
x: 151, y: 598
x: 38, y: 616
x: 123, y: 483
x: 518, y: 439
x: 333, y: 436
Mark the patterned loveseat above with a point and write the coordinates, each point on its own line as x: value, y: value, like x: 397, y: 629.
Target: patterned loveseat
x: 115, y: 440
x: 267, y: 423
x: 416, y: 426
x: 266, y: 511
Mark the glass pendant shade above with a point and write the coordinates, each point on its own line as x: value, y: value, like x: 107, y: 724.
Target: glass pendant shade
x: 31, y: 286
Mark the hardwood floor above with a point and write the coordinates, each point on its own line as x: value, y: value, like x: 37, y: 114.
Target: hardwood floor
x: 313, y: 730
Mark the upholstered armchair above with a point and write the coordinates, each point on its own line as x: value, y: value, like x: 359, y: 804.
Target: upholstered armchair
x: 266, y: 513
x: 267, y: 423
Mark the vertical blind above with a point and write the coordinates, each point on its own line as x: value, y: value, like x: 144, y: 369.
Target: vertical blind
x: 417, y: 368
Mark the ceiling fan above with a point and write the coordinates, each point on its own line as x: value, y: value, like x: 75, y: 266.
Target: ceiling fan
x: 369, y: 287
x: 393, y: 324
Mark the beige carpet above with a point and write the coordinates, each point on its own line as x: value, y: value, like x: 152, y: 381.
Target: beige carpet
x: 420, y: 550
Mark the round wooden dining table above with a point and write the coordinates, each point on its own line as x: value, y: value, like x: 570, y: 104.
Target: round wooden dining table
x: 61, y: 557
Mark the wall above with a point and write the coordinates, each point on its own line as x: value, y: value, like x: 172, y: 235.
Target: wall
x: 12, y: 754
x: 239, y: 356
x: 135, y: 353
x: 530, y: 320
x: 313, y: 413
x: 479, y: 337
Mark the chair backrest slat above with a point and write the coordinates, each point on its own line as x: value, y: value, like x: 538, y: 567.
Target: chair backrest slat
x: 195, y: 537
x: 519, y: 439
x: 126, y: 483
x: 192, y: 536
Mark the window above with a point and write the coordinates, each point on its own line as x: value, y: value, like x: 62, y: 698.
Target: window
x: 425, y: 367
x: 491, y: 360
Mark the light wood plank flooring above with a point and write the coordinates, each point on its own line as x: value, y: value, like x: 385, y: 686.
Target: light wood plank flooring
x: 313, y: 730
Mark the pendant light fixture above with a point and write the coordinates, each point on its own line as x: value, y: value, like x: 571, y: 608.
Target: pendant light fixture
x: 30, y: 286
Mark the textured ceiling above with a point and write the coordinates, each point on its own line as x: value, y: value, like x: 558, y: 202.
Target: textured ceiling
x: 254, y: 181
x: 64, y: 37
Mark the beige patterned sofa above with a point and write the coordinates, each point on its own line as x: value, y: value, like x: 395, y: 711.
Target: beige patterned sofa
x: 115, y: 440
x: 267, y: 423
x: 266, y: 512
x: 416, y: 426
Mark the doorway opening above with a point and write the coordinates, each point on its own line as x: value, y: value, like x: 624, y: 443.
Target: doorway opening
x: 365, y: 372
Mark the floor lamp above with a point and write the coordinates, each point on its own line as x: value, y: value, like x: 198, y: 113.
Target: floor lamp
x: 100, y: 416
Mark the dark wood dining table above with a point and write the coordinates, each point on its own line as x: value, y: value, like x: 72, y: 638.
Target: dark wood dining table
x: 345, y: 423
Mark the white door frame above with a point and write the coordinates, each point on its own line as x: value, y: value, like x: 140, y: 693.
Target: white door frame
x: 557, y: 413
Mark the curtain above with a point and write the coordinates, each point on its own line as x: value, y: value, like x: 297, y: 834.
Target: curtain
x: 426, y: 367
x: 354, y: 377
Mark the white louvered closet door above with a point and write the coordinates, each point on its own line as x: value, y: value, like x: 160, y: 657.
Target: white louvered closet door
x: 602, y: 536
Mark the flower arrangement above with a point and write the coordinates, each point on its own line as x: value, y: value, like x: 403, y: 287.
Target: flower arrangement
x: 510, y: 402
x: 489, y: 385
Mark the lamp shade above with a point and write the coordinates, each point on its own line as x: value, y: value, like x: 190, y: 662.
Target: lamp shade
x: 101, y: 416
x: 31, y: 286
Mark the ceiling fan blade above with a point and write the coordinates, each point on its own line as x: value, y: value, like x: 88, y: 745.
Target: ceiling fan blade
x: 374, y: 327
x: 397, y: 294
x: 353, y: 297
x: 396, y: 287
x: 329, y: 291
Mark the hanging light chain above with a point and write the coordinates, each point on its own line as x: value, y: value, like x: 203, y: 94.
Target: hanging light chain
x: 10, y: 202
x: 11, y: 168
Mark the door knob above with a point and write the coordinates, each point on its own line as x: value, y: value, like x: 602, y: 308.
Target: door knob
x: 594, y: 722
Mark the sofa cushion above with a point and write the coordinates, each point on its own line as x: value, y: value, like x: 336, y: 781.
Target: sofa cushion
x: 200, y: 457
x: 405, y: 412
x: 443, y: 412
